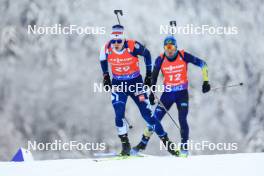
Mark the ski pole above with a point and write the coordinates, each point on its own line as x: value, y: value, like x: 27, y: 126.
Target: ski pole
x: 175, y: 123
x: 228, y: 86
x: 129, y: 124
x: 118, y: 12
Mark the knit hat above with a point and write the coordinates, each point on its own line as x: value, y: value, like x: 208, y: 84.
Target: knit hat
x: 117, y: 32
x: 170, y: 40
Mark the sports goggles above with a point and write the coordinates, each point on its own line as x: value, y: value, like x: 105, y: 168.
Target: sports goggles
x: 170, y: 47
x: 119, y: 41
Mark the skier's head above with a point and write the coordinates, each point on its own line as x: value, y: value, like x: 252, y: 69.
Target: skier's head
x: 170, y: 47
x: 117, y: 37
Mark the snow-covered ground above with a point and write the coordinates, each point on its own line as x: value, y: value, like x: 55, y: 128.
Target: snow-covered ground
x: 246, y: 164
x: 47, y: 81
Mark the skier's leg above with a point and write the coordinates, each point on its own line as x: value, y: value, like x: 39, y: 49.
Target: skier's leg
x: 119, y: 100
x: 144, y: 106
x: 155, y: 125
x: 167, y: 100
x: 182, y: 102
x: 158, y: 115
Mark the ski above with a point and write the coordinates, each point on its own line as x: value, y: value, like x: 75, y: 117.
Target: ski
x: 115, y: 156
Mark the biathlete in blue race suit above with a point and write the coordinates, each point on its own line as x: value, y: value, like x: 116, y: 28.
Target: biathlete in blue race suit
x: 122, y: 55
x: 173, y: 65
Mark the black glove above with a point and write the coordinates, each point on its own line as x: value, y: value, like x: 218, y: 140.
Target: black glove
x: 147, y: 80
x: 151, y: 98
x: 206, y: 87
x: 107, y: 82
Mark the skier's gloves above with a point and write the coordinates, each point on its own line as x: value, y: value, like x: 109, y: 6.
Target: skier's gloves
x: 147, y: 80
x: 107, y: 82
x: 151, y: 98
x: 206, y: 87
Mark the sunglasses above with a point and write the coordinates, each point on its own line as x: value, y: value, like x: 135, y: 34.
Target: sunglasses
x: 169, y: 47
x: 119, y: 41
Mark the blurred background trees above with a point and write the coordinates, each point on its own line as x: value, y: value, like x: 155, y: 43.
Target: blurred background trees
x: 46, y: 81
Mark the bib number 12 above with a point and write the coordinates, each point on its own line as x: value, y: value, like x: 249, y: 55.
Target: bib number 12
x: 176, y: 77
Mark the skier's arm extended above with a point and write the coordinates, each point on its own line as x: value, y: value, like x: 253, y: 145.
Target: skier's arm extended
x: 198, y: 62
x: 103, y: 61
x: 202, y: 64
x: 155, y: 75
x: 104, y: 66
x: 143, y: 51
x: 156, y: 70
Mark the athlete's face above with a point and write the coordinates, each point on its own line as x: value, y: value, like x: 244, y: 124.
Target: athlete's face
x: 170, y: 50
x: 117, y: 44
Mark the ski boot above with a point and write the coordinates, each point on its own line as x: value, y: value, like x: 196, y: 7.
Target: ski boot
x: 125, y: 145
x: 148, y: 131
x: 142, y: 144
x: 184, y: 150
x: 183, y: 153
x: 140, y: 147
x: 169, y: 146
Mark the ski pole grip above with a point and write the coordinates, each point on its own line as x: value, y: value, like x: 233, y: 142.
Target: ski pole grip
x: 173, y: 23
x: 118, y: 12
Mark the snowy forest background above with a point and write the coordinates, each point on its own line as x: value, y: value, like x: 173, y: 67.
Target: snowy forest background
x: 46, y: 82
